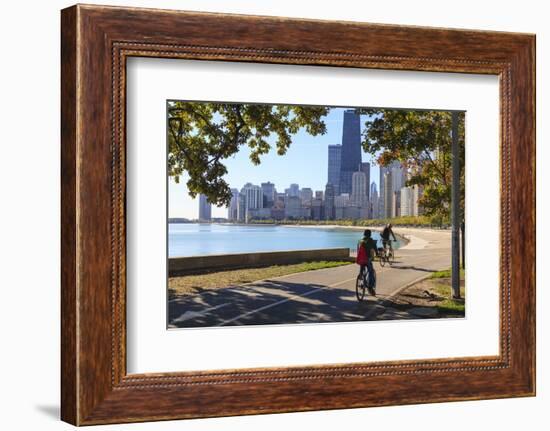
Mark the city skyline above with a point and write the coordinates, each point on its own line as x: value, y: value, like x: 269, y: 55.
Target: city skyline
x: 265, y: 202
x: 306, y: 158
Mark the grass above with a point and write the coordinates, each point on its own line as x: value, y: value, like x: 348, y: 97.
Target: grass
x: 190, y: 284
x: 446, y: 274
x: 450, y: 304
x: 442, y: 287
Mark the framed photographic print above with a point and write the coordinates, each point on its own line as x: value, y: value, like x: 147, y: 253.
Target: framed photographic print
x: 265, y: 215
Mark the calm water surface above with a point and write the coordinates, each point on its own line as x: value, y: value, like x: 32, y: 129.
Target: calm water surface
x: 196, y: 239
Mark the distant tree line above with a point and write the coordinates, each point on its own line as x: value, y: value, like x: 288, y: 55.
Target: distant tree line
x: 419, y: 221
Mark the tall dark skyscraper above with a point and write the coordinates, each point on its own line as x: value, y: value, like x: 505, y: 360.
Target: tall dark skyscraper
x: 269, y: 192
x: 334, y: 162
x: 351, y: 149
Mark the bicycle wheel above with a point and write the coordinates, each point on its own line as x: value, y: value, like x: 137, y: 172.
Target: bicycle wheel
x: 391, y: 257
x: 383, y: 260
x: 360, y: 288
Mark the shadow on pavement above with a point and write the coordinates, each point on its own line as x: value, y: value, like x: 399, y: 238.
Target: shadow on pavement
x: 258, y: 305
x: 415, y: 268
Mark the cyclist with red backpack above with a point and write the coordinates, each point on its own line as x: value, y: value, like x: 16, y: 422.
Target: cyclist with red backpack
x: 366, y: 250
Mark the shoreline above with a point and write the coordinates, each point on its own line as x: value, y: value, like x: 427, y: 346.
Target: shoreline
x: 412, y: 238
x: 376, y: 227
x: 410, y: 241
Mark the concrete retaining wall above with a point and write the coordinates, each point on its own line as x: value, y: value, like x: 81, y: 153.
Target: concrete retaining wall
x: 195, y: 264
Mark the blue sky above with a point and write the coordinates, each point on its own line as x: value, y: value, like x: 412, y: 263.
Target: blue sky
x: 305, y: 163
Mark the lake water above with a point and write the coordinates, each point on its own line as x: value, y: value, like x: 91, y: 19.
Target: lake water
x: 196, y: 239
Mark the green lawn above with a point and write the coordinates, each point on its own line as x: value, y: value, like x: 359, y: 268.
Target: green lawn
x: 442, y: 287
x: 447, y: 274
x: 189, y: 284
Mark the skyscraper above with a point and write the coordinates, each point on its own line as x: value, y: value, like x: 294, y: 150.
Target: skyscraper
x: 351, y: 149
x: 417, y: 209
x: 341, y: 203
x: 278, y: 209
x: 398, y: 176
x: 241, y: 207
x: 233, y: 208
x: 293, y: 191
x: 365, y: 167
x: 329, y: 202
x: 317, y: 209
x: 396, y: 204
x: 374, y: 204
x: 382, y: 195
x: 268, y: 190
x: 407, y: 197
x: 359, y: 195
x: 334, y: 162
x: 205, y: 209
x: 254, y: 196
x: 391, y: 168
x: 306, y: 194
x: 388, y: 194
x: 373, y: 188
x: 293, y: 208
x: 252, y: 199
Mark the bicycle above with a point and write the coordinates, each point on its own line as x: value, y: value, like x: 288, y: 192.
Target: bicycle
x: 385, y: 253
x: 365, y: 281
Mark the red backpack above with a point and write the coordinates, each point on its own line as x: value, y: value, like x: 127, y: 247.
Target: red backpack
x: 362, y: 255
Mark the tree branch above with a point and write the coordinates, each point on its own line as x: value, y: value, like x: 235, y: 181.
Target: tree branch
x: 177, y: 138
x: 435, y: 166
x: 234, y: 141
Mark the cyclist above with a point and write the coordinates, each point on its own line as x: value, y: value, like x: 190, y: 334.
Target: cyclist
x: 366, y: 249
x: 385, y: 235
